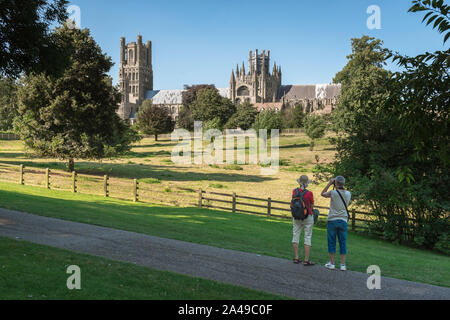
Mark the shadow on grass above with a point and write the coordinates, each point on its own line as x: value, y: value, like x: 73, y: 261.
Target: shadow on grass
x: 140, y: 171
x: 289, y: 146
x: 11, y: 155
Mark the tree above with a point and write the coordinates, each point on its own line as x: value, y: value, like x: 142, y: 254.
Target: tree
x: 315, y: 127
x: 268, y: 120
x: 25, y: 41
x: 154, y: 120
x: 209, y: 105
x: 8, y: 103
x: 185, y: 119
x: 74, y: 115
x: 243, y: 118
x: 393, y: 137
x: 293, y: 117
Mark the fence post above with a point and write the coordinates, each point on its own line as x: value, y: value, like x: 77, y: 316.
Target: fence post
x: 233, y: 208
x: 353, y: 220
x: 21, y: 181
x: 74, y: 182
x: 106, y: 184
x: 269, y: 206
x: 135, y: 190
x: 47, y: 178
x: 200, y: 198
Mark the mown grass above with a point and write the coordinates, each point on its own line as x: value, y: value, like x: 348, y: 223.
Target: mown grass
x: 242, y: 232
x: 36, y: 272
x: 151, y: 159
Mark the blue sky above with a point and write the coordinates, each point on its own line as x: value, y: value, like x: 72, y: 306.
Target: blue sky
x: 201, y: 41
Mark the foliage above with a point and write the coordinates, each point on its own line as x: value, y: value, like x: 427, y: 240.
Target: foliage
x: 293, y: 117
x: 8, y: 103
x: 393, y: 140
x: 185, y: 119
x: 267, y: 119
x: 315, y: 127
x: 243, y: 118
x: 209, y: 105
x: 25, y: 41
x: 74, y: 115
x: 154, y: 120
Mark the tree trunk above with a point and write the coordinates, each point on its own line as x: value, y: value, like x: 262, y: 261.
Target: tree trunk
x: 311, y: 145
x: 156, y: 137
x: 71, y: 165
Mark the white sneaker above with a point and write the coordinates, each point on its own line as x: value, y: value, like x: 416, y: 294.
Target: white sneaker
x: 330, y: 266
x: 343, y: 267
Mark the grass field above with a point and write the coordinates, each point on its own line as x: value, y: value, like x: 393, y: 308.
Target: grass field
x: 36, y: 272
x: 150, y: 162
x: 242, y: 232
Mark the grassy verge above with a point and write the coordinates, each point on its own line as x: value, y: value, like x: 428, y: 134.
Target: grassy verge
x: 31, y: 271
x: 224, y: 229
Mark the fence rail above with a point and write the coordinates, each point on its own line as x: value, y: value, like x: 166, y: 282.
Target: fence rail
x: 9, y: 136
x: 137, y: 191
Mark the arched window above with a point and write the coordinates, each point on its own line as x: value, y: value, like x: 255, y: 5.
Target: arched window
x: 243, y: 91
x: 130, y: 55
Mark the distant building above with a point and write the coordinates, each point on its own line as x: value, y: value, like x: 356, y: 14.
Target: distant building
x: 259, y: 86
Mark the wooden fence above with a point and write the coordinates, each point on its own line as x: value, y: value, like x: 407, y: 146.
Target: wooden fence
x: 267, y: 206
x: 9, y: 136
x: 141, y: 191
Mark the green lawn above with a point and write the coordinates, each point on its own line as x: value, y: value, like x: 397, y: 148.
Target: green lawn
x: 242, y: 232
x: 31, y: 271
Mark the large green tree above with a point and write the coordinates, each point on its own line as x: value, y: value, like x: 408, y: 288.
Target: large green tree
x: 153, y: 119
x: 393, y: 143
x: 293, y: 117
x: 74, y: 115
x: 8, y: 103
x: 25, y: 38
x: 185, y: 118
x: 243, y: 117
x: 210, y: 105
x: 315, y: 127
x: 267, y: 119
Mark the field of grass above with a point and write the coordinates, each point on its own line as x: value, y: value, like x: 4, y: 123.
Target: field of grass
x: 150, y: 162
x: 255, y: 234
x: 36, y: 272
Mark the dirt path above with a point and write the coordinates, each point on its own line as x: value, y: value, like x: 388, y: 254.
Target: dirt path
x: 263, y: 273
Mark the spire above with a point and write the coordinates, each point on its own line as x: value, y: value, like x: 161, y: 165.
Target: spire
x: 237, y: 70
x: 243, y: 70
x: 232, y: 79
x: 274, y: 72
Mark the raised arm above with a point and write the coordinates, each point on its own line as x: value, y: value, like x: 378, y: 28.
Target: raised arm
x: 325, y: 193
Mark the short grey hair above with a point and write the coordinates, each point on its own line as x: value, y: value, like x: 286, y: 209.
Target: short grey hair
x: 340, y: 180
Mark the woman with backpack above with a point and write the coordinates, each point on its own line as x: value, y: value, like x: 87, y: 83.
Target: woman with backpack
x: 304, y: 199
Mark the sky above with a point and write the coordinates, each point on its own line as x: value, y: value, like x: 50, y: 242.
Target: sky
x: 201, y: 41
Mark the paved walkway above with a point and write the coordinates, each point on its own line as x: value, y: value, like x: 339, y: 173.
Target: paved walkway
x: 263, y: 273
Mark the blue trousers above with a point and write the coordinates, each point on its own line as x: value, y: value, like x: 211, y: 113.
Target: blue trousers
x: 337, y: 228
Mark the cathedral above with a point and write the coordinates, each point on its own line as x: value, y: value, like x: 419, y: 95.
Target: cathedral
x: 259, y: 86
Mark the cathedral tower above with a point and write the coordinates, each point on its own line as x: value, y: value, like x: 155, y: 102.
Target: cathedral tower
x: 135, y: 75
x: 259, y: 84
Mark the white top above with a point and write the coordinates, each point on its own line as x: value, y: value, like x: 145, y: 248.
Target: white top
x: 337, y: 208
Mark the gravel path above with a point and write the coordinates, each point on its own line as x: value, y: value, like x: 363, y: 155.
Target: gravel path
x: 263, y: 273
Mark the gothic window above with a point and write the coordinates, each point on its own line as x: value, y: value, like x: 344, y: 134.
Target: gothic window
x: 243, y: 91
x: 130, y: 55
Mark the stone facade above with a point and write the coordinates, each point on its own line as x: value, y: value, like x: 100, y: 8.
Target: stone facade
x: 135, y: 75
x: 259, y: 86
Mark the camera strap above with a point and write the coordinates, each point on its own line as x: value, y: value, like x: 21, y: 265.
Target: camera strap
x: 345, y: 205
